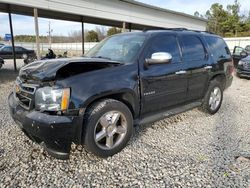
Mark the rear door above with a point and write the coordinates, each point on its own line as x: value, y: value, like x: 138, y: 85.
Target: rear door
x: 197, y: 64
x: 162, y: 86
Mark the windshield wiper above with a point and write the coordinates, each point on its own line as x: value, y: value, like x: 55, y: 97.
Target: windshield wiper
x: 101, y: 57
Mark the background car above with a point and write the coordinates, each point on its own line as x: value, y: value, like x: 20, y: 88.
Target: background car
x: 239, y: 53
x: 247, y: 48
x: 21, y: 53
x: 243, y: 68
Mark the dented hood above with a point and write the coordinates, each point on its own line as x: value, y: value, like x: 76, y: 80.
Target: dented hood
x: 47, y: 70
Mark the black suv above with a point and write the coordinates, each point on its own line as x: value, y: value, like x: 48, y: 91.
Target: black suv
x: 127, y: 79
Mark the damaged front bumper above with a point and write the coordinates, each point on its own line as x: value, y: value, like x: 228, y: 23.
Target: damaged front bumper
x: 54, y: 133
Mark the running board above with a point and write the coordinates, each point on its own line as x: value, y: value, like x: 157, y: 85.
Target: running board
x: 169, y: 113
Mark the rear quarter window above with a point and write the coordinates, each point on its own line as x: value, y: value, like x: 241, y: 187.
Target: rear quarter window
x: 218, y: 47
x: 193, y: 49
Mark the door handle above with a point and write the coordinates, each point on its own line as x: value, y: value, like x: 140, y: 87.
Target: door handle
x: 181, y: 72
x: 208, y: 67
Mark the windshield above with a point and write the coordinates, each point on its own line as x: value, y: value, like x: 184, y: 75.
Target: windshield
x: 122, y: 48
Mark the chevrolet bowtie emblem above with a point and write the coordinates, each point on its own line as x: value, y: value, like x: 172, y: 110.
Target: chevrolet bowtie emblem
x: 18, y: 90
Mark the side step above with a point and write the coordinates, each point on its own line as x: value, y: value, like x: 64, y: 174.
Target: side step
x: 169, y: 113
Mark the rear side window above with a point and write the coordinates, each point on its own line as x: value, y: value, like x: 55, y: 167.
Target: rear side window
x: 165, y: 43
x: 218, y: 47
x: 19, y: 49
x: 193, y: 49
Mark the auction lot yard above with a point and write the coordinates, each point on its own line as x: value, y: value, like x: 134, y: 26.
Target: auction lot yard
x: 192, y: 149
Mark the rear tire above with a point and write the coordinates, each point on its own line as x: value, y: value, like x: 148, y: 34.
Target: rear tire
x: 213, y: 98
x: 108, y: 127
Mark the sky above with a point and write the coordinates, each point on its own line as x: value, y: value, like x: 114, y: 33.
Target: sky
x: 190, y: 6
x: 25, y: 24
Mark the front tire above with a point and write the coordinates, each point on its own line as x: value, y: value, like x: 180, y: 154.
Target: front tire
x: 108, y: 127
x: 213, y: 98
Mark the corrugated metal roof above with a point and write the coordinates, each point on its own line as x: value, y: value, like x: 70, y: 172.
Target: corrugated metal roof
x: 105, y: 12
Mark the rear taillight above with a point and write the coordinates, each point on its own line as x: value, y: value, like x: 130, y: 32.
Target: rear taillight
x: 231, y: 68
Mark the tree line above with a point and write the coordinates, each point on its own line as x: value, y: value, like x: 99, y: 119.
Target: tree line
x: 227, y: 21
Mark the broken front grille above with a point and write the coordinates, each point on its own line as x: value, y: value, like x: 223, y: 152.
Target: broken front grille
x: 24, y: 94
x: 24, y: 101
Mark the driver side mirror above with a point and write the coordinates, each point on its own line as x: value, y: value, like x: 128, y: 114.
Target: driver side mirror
x: 159, y: 58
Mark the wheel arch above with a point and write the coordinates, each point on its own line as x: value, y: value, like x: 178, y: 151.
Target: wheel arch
x: 127, y: 97
x: 221, y: 77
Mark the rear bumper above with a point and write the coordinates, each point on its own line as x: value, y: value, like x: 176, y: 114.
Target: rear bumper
x: 55, y: 133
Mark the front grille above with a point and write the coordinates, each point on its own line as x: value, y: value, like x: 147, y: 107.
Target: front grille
x: 28, y: 89
x: 24, y: 94
x: 246, y: 65
x: 24, y: 101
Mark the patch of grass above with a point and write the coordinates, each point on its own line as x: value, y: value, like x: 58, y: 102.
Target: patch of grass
x: 202, y: 158
x: 226, y: 174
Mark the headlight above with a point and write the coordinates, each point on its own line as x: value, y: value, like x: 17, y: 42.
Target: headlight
x: 241, y: 62
x: 50, y: 99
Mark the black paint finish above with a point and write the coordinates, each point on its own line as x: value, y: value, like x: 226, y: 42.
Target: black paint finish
x: 148, y: 91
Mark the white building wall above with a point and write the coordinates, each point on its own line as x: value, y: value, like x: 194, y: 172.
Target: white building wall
x: 238, y: 41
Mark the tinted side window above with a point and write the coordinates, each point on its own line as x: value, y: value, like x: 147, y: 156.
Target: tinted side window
x: 218, y: 47
x: 193, y: 49
x: 165, y: 43
x: 19, y: 49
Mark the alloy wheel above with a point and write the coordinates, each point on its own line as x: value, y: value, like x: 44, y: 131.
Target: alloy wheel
x: 110, y: 130
x: 215, y: 98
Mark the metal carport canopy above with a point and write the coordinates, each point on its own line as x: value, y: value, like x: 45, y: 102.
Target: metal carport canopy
x: 105, y: 12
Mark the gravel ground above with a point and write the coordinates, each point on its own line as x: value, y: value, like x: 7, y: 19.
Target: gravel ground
x: 192, y: 149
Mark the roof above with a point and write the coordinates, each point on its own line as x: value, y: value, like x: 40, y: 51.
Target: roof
x: 105, y: 12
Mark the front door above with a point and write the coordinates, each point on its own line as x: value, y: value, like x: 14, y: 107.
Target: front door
x: 162, y: 86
